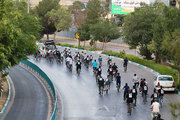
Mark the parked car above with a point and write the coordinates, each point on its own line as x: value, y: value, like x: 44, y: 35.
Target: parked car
x: 166, y: 81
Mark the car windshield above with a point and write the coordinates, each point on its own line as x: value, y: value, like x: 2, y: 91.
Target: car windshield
x: 165, y: 79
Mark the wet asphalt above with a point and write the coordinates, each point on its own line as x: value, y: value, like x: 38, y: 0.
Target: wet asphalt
x: 81, y: 100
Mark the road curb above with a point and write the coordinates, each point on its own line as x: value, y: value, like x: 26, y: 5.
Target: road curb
x: 134, y: 63
x: 8, y: 102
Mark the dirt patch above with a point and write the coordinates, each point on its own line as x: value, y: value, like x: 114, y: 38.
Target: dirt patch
x: 4, y: 94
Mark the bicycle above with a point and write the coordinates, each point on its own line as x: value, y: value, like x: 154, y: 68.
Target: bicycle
x: 144, y: 98
x: 160, y: 100
x: 125, y: 68
x: 129, y: 108
x: 118, y: 87
x: 101, y: 88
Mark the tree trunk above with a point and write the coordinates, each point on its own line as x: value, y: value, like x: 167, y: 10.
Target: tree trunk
x: 55, y: 37
x: 47, y: 36
x: 94, y: 44
x: 103, y: 46
x: 84, y: 43
x: 79, y: 42
x: 179, y: 76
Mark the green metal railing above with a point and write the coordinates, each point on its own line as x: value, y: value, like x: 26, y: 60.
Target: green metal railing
x: 49, y: 82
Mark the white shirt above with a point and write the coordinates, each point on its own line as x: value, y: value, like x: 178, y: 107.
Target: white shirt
x: 155, y: 107
x: 135, y: 79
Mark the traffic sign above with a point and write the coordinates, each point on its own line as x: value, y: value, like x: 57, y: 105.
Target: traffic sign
x: 77, y: 35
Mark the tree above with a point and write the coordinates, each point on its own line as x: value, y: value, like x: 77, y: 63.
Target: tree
x: 137, y: 29
x: 18, y: 33
x: 41, y: 10
x: 94, y: 11
x: 172, y: 44
x: 105, y: 31
x: 79, y: 13
x: 84, y: 32
x: 61, y: 18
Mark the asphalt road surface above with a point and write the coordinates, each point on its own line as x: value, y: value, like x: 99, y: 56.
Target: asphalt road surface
x: 30, y: 102
x: 82, y: 101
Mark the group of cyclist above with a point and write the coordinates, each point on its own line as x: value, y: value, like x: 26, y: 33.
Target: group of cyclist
x: 104, y: 84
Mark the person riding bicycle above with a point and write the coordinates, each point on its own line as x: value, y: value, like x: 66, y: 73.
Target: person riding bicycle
x: 78, y: 65
x: 109, y: 60
x: 100, y: 60
x: 129, y: 100
x: 155, y: 108
x: 100, y: 83
x: 51, y: 55
x: 125, y: 64
x: 126, y: 89
x: 142, y: 82
x: 99, y: 71
x: 134, y: 93
x: 118, y: 80
x: 114, y: 67
x: 110, y: 72
x: 69, y: 61
x: 154, y: 96
x: 108, y: 82
x: 136, y: 80
x: 87, y: 60
x: 91, y: 58
x: 161, y: 94
x: 144, y: 92
x: 95, y: 65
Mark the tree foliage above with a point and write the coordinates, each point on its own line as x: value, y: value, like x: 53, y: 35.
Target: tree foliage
x: 105, y: 31
x: 18, y: 33
x: 41, y: 10
x: 94, y: 11
x: 61, y: 18
x: 79, y: 13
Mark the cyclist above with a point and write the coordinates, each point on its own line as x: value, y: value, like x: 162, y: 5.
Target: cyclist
x: 50, y: 56
x: 78, y: 66
x: 118, y: 80
x: 114, y: 67
x: 135, y: 81
x: 161, y: 94
x: 99, y: 71
x: 154, y: 96
x: 108, y: 82
x: 101, y: 84
x: 134, y: 93
x: 95, y: 64
x: 100, y: 60
x: 91, y: 58
x: 155, y: 109
x: 87, y: 60
x: 144, y: 92
x: 129, y: 100
x: 141, y: 85
x: 126, y: 89
x: 110, y: 72
x: 109, y: 60
x: 125, y: 64
x: 69, y: 62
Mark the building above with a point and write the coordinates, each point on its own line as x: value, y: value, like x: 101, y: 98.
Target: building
x: 34, y: 3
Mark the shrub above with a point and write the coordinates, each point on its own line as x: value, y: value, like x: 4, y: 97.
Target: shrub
x: 65, y: 45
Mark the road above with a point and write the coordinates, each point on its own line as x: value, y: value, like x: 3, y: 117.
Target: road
x: 82, y: 101
x: 30, y: 101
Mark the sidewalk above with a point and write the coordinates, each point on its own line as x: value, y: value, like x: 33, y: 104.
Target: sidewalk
x: 115, y: 47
